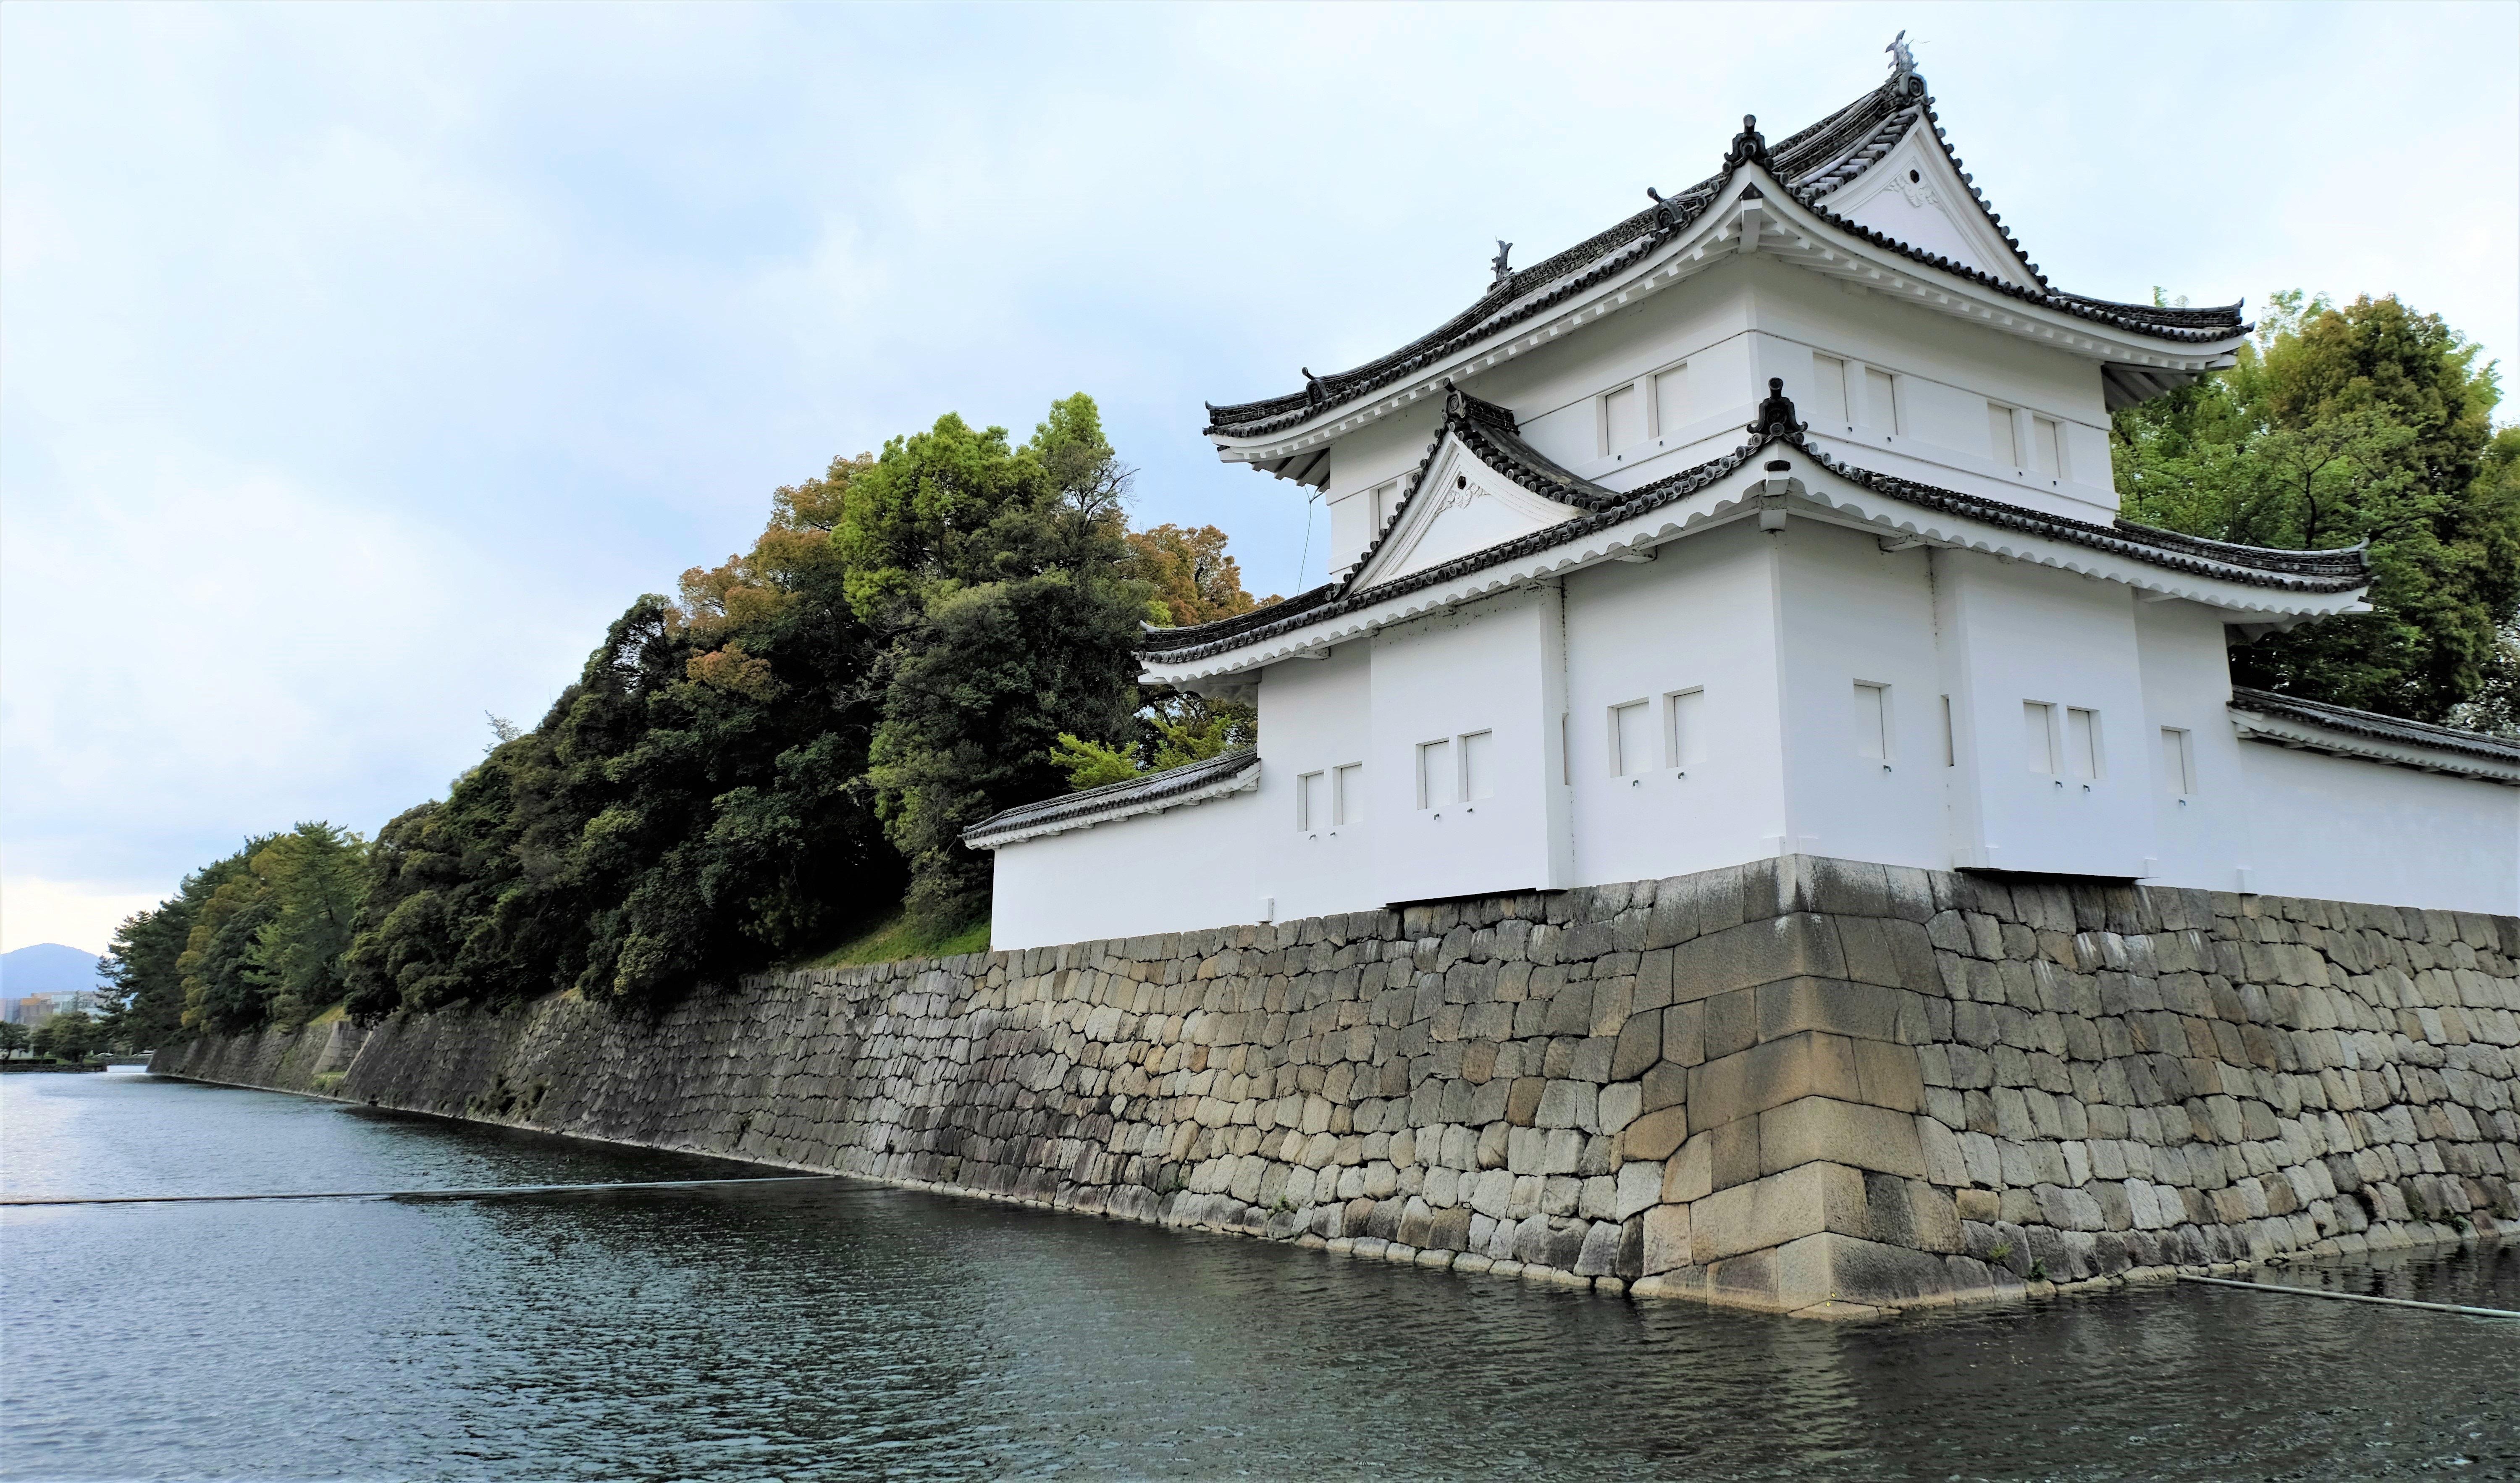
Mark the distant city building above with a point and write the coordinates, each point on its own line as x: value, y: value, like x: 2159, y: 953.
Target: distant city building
x: 32, y: 1010
x: 1776, y: 519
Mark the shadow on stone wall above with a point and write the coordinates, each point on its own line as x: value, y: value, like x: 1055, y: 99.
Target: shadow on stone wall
x: 1801, y: 1085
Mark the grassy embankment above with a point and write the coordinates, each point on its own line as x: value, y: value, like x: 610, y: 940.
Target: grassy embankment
x: 892, y: 939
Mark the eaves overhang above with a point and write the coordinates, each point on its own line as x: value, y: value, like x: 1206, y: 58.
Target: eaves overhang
x: 1217, y: 777
x: 1753, y: 213
x: 1777, y: 477
x: 2342, y: 731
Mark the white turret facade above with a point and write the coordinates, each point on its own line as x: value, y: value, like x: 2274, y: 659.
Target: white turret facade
x: 1779, y: 518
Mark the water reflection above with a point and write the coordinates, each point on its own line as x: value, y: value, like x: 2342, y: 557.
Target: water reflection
x: 811, y: 1331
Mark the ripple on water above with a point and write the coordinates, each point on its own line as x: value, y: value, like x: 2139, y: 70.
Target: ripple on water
x: 811, y: 1331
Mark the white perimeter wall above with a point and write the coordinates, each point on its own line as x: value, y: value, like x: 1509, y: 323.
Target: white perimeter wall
x: 1174, y: 872
x: 2344, y: 830
x: 1773, y: 633
x: 2200, y: 837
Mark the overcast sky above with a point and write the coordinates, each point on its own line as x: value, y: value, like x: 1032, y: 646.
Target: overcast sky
x: 358, y: 365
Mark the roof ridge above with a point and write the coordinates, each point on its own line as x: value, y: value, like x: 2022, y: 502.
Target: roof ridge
x: 2378, y: 723
x: 2340, y: 569
x: 1487, y: 429
x: 1847, y: 143
x: 1145, y: 785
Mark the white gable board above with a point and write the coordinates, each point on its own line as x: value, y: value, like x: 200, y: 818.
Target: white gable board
x: 1463, y: 506
x: 1914, y: 196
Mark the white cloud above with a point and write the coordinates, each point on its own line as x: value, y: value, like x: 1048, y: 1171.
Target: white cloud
x: 361, y: 363
x: 75, y: 914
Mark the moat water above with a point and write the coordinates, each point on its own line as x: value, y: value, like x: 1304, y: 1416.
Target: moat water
x: 854, y: 1331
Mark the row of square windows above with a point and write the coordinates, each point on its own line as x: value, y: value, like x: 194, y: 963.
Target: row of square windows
x: 1850, y: 394
x: 2060, y: 740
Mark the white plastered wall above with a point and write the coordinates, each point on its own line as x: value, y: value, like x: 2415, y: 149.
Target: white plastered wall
x: 1493, y: 667
x: 1944, y: 372
x: 1726, y: 331
x: 2200, y: 837
x: 1170, y: 871
x: 2340, y: 829
x: 1696, y: 618
x: 1316, y: 717
x: 2012, y: 633
x: 1849, y: 611
x: 1386, y: 449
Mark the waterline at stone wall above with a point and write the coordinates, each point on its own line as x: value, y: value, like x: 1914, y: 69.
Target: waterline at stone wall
x: 1802, y: 1085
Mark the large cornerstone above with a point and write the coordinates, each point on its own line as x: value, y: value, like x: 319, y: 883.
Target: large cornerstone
x: 1803, y: 1085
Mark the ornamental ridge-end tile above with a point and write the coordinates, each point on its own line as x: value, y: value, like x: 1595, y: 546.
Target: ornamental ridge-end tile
x: 1486, y: 429
x: 1811, y: 164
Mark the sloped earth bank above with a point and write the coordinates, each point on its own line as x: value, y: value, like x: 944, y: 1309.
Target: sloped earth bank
x: 1804, y: 1085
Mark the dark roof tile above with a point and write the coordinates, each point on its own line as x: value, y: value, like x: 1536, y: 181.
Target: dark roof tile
x: 1812, y: 163
x: 1489, y: 431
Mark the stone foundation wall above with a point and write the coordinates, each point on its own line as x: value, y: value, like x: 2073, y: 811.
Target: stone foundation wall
x: 1802, y: 1085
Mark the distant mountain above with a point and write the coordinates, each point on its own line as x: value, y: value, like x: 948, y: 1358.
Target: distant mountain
x: 47, y: 967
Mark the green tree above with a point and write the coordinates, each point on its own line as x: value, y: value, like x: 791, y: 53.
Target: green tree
x: 14, y: 1037
x: 2369, y: 423
x: 315, y: 877
x: 216, y: 967
x: 143, y: 997
x: 1195, y: 580
x: 68, y: 1036
x: 687, y: 809
x: 1003, y: 582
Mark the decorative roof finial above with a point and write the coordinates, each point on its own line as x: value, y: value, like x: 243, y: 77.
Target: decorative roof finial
x: 1498, y: 263
x: 1748, y: 148
x: 1316, y: 389
x: 1666, y: 209
x: 1903, y: 64
x: 1776, y: 412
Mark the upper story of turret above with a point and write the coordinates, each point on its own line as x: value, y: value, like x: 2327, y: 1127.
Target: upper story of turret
x: 1853, y: 260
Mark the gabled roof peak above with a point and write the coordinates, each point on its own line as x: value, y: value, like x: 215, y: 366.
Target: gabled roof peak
x: 1810, y: 165
x: 1749, y: 147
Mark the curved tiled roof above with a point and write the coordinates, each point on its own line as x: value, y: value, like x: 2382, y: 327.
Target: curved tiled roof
x: 1489, y: 431
x: 1112, y: 800
x: 1812, y: 163
x: 2373, y: 726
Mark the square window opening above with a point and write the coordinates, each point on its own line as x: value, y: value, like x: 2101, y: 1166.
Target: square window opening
x: 1623, y: 419
x: 1683, y: 728
x: 1631, y: 749
x: 1478, y: 766
x: 2082, y: 742
x: 1435, y: 776
x: 2046, y: 446
x: 1312, y: 801
x: 1880, y: 400
x: 1347, y: 793
x: 2177, y: 763
x: 1829, y: 389
x: 2039, y: 736
x: 1671, y: 401
x: 1998, y: 435
x: 1872, y: 721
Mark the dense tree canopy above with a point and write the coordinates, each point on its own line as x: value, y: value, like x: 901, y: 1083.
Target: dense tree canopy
x: 742, y: 773
x: 2366, y: 423
x: 790, y: 746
